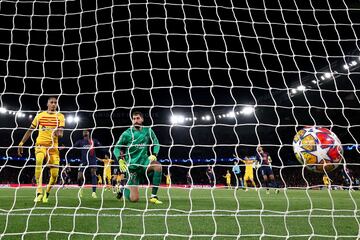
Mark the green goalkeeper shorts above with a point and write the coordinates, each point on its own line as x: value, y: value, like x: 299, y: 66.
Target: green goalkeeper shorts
x: 137, y: 174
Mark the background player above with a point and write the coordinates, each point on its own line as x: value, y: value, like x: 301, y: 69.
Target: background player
x: 50, y: 125
x: 99, y: 179
x: 65, y: 175
x: 107, y: 170
x: 265, y: 169
x: 327, y: 182
x: 189, y: 181
x: 228, y: 179
x: 168, y: 178
x: 249, y: 174
x: 237, y: 173
x: 88, y: 159
x: 211, y: 176
x: 132, y: 152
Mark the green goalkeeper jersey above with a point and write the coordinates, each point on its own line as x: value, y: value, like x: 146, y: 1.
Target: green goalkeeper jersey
x: 137, y: 143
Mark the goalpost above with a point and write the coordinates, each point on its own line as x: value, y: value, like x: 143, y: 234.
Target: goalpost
x: 215, y: 80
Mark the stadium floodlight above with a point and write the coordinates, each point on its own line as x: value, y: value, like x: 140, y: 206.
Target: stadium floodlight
x: 322, y: 77
x: 70, y: 119
x: 327, y: 75
x: 30, y: 116
x: 223, y: 115
x: 353, y: 63
x: 2, y: 110
x: 13, y: 113
x: 20, y: 114
x: 247, y: 110
x: 346, y: 66
x: 301, y: 88
x: 219, y: 116
x: 177, y: 119
x: 314, y: 81
x: 231, y: 114
x: 195, y: 118
x: 293, y: 91
x: 76, y: 119
x: 207, y: 118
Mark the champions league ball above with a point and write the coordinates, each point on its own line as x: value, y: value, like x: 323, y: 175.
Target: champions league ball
x: 318, y: 149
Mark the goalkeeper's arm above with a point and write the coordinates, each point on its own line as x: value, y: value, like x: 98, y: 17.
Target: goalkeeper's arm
x: 156, y: 145
x: 122, y: 162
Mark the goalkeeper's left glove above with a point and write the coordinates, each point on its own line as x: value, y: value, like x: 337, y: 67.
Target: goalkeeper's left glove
x: 122, y: 165
x: 152, y: 158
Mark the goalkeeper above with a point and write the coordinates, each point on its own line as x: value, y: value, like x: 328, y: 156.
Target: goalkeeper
x: 132, y: 153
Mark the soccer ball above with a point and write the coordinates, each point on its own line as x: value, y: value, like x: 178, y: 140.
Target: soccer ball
x: 318, y: 149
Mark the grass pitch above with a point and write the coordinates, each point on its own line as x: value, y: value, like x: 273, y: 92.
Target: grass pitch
x: 199, y: 213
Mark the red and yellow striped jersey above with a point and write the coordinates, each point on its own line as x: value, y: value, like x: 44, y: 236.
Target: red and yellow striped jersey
x: 47, y: 123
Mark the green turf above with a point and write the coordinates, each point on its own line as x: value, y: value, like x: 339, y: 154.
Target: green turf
x: 201, y: 213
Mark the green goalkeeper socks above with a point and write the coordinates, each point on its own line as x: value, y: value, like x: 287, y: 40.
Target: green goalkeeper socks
x: 156, y: 182
x: 127, y: 194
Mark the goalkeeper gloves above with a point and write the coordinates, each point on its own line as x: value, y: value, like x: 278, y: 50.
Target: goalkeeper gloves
x: 152, y: 158
x: 122, y: 165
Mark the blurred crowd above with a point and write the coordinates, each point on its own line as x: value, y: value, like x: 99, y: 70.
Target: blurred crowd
x: 285, y: 176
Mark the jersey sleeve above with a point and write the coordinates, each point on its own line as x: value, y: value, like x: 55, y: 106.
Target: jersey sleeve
x: 122, y: 142
x: 35, y: 122
x: 155, y: 142
x: 61, y: 121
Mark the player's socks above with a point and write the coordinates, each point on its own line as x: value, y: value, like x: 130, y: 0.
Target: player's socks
x: 93, y: 183
x: 274, y: 184
x: 266, y: 185
x: 127, y: 193
x: 156, y: 182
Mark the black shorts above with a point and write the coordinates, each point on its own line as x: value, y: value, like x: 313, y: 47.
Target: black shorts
x: 266, y: 171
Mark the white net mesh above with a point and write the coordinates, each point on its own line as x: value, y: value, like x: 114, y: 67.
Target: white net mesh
x: 213, y: 79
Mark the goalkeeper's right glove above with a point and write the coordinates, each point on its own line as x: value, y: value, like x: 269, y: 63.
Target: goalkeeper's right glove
x: 122, y: 165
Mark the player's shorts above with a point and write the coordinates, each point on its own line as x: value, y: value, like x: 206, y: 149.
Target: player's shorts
x: 248, y: 176
x: 51, y: 154
x: 84, y: 163
x: 137, y: 173
x: 266, y: 171
x: 107, y: 175
x: 228, y: 182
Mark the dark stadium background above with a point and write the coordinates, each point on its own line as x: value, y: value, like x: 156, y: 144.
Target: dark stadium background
x: 112, y: 66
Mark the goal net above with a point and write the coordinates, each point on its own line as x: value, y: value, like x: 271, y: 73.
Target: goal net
x: 224, y: 85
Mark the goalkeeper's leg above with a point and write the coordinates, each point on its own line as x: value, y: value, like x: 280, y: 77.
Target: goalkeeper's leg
x: 156, y: 169
x: 40, y: 154
x: 131, y: 193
